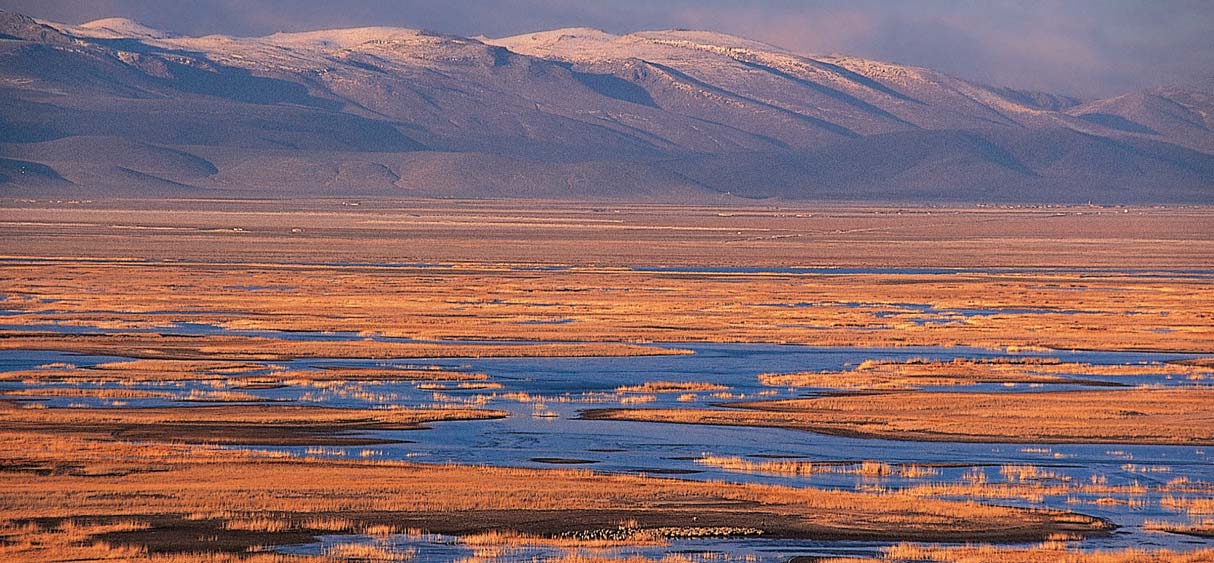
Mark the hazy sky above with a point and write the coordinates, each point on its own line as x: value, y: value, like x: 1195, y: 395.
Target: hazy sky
x: 1081, y: 47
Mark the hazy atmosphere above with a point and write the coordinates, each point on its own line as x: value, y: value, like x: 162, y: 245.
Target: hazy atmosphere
x: 562, y: 281
x: 1085, y: 48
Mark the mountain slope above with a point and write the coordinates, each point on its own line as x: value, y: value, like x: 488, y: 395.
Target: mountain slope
x: 114, y: 107
x: 1181, y: 115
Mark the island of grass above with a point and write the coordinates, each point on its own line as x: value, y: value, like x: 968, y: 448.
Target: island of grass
x: 1183, y: 416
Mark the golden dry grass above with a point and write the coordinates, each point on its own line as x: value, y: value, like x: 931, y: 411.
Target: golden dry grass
x: 238, y: 373
x: 65, y: 477
x: 72, y: 541
x: 908, y: 374
x: 170, y: 347
x: 231, y: 424
x: 481, y: 296
x: 73, y: 472
x: 1192, y: 505
x: 1138, y: 416
x: 804, y: 468
x: 1107, y: 311
x: 366, y: 552
x: 671, y: 387
x: 1197, y: 527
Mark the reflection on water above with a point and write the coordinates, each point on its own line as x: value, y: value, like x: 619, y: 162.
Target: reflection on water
x: 545, y: 396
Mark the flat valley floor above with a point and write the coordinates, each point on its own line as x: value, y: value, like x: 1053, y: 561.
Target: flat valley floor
x: 392, y: 380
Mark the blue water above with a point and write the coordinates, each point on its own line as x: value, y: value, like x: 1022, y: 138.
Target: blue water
x: 568, y: 386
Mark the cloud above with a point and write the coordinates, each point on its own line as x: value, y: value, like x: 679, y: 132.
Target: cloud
x: 1081, y: 47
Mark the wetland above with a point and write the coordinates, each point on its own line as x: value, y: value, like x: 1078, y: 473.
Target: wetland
x: 267, y: 394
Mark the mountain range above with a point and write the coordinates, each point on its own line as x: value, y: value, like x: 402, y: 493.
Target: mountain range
x: 114, y: 108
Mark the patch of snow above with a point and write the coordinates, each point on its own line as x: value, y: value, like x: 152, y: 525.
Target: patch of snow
x: 119, y: 28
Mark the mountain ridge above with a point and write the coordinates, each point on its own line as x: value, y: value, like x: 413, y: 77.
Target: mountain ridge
x: 573, y: 112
